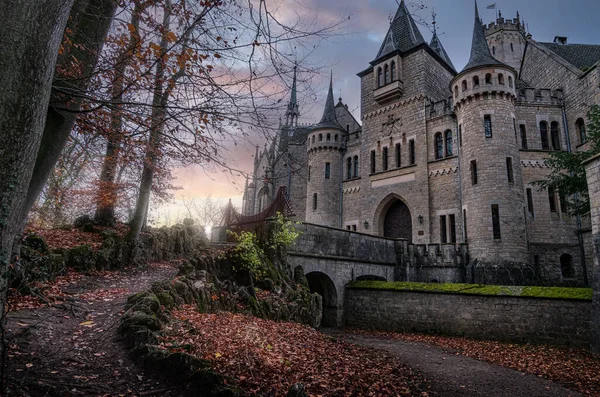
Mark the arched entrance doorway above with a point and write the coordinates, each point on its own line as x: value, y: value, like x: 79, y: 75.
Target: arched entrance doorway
x: 397, y: 221
x: 323, y: 285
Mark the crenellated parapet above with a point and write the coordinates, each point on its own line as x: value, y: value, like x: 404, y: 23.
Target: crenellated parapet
x: 543, y: 96
x: 325, y: 139
x: 496, y: 82
x: 504, y: 24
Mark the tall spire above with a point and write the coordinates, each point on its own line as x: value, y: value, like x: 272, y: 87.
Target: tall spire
x: 329, y: 119
x: 293, y: 110
x: 436, y: 44
x: 480, y: 52
x: 403, y: 34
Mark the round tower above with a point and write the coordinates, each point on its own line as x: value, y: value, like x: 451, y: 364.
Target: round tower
x: 506, y: 39
x: 492, y: 182
x: 325, y: 146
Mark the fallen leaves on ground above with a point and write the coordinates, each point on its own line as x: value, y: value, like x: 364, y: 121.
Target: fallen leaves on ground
x: 70, y: 238
x: 266, y: 357
x: 576, y: 369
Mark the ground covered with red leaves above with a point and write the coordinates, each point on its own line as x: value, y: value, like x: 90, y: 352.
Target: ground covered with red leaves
x: 71, y: 237
x: 266, y: 357
x: 575, y: 369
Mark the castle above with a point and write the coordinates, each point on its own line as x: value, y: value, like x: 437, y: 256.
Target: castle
x: 447, y: 157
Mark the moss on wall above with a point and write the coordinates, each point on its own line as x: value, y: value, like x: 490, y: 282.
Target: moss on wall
x: 479, y: 289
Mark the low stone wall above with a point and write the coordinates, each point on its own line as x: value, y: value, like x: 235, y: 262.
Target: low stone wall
x: 505, y: 318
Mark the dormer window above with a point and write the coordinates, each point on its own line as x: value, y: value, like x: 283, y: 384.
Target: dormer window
x: 386, y: 74
x: 379, y: 77
x: 393, y: 68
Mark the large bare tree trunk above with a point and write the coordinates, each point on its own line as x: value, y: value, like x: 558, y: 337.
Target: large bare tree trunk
x: 90, y: 21
x: 30, y: 36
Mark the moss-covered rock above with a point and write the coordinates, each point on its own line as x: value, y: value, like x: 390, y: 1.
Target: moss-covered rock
x: 81, y: 258
x: 166, y: 299
x: 139, y: 319
x: 145, y: 301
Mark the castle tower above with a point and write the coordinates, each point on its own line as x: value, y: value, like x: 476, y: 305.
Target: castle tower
x: 325, y: 145
x: 492, y: 182
x: 293, y: 110
x: 506, y: 40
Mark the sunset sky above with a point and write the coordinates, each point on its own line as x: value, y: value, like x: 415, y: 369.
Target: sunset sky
x: 366, y: 23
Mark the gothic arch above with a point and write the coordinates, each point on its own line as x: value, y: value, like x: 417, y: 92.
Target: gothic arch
x: 323, y: 285
x: 393, y: 218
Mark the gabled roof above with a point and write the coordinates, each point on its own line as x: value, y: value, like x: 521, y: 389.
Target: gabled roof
x: 403, y: 34
x: 480, y: 52
x: 329, y: 119
x: 582, y: 56
x: 436, y: 45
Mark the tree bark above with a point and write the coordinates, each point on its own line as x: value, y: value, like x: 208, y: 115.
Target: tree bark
x: 30, y: 36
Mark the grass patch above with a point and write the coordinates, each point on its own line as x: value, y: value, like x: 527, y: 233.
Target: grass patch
x: 479, y: 289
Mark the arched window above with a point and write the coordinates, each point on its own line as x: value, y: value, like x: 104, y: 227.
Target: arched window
x: 379, y: 77
x: 544, y: 135
x: 510, y: 81
x: 512, y: 48
x: 501, y: 79
x: 336, y: 137
x: 555, y: 135
x: 581, y: 131
x: 475, y: 81
x: 449, y: 143
x: 439, y: 146
x: 494, y: 50
x: 386, y: 74
x: 356, y: 166
x: 393, y: 70
x: 313, y: 139
x: 320, y: 137
x: 566, y: 266
x: 488, y: 79
x: 456, y: 91
x: 349, y: 167
x: 328, y: 137
x: 464, y: 85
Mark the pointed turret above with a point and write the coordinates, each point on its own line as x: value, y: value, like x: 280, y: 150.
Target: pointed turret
x: 403, y: 34
x: 329, y: 119
x: 480, y: 52
x: 293, y: 110
x: 436, y: 45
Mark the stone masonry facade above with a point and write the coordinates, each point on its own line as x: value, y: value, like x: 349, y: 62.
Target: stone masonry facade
x: 593, y: 177
x: 448, y: 158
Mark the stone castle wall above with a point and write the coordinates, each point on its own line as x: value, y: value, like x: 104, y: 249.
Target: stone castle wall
x: 593, y: 175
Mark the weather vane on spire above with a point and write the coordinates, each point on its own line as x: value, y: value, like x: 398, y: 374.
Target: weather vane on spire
x: 433, y: 15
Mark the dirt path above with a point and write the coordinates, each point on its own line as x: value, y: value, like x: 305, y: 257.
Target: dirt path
x: 454, y: 375
x: 73, y: 349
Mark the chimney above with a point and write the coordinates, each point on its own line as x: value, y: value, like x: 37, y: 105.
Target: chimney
x: 560, y: 40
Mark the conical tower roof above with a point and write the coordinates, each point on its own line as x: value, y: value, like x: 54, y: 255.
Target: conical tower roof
x: 436, y: 45
x: 403, y: 34
x: 293, y: 99
x: 329, y: 119
x: 480, y: 52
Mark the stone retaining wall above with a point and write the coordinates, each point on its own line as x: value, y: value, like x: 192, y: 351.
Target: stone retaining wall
x: 514, y: 319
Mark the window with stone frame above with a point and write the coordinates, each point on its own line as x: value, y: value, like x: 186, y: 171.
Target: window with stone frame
x: 456, y: 91
x: 464, y: 85
x: 496, y: 222
x: 523, y: 130
x: 384, y: 158
x: 393, y: 70
x: 581, y: 131
x: 443, y: 230
x: 439, y: 145
x: 386, y: 74
x: 544, y: 135
x: 449, y: 143
x: 530, y: 202
x: 465, y: 224
x: 460, y: 135
x: 411, y: 152
x: 473, y: 169
x: 379, y: 77
x: 314, y: 201
x: 452, y: 221
x: 552, y: 199
x: 509, y: 170
x: 555, y: 135
x: 308, y: 173
x: 356, y: 166
x: 564, y: 204
x: 373, y: 165
x: 398, y: 150
x: 487, y: 125
x: 566, y: 266
x: 488, y: 79
x: 510, y: 81
x: 349, y: 168
x: 475, y: 81
x: 501, y: 79
x: 327, y: 170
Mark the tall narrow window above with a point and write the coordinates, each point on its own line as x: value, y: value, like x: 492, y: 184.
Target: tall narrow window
x: 493, y: 50
x: 411, y: 152
x: 564, y: 205
x: 501, y: 79
x: 566, y: 266
x: 464, y: 85
x: 496, y: 221
x: 510, y: 81
x: 314, y: 201
x: 309, y: 173
x: 439, y: 146
x: 555, y: 135
x: 449, y: 143
x: 544, y: 135
x: 515, y: 129
x: 356, y: 166
x: 386, y: 74
x: 372, y: 161
x: 465, y: 224
x: 512, y: 48
x: 475, y: 81
x: 523, y: 136
x: 379, y: 77
x: 487, y: 125
x: 347, y: 127
x: 393, y: 70
x: 349, y: 167
x: 509, y: 170
x: 327, y: 170
x: 460, y: 135
x: 443, y: 230
x: 398, y: 155
x: 488, y: 79
x: 320, y: 137
x: 552, y: 199
x: 456, y: 91
x: 530, y: 202
x: 452, y: 228
x: 581, y: 131
x: 328, y: 137
x: 473, y: 172
x: 384, y: 158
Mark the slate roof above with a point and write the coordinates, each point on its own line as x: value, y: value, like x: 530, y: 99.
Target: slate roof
x: 329, y: 119
x: 581, y: 56
x: 403, y: 34
x: 436, y: 45
x: 480, y: 52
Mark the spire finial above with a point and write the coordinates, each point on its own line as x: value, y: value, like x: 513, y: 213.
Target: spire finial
x: 480, y: 52
x: 434, y: 23
x: 477, y: 12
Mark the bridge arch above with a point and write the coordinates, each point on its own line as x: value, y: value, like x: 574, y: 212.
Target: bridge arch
x: 393, y: 218
x: 323, y: 285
